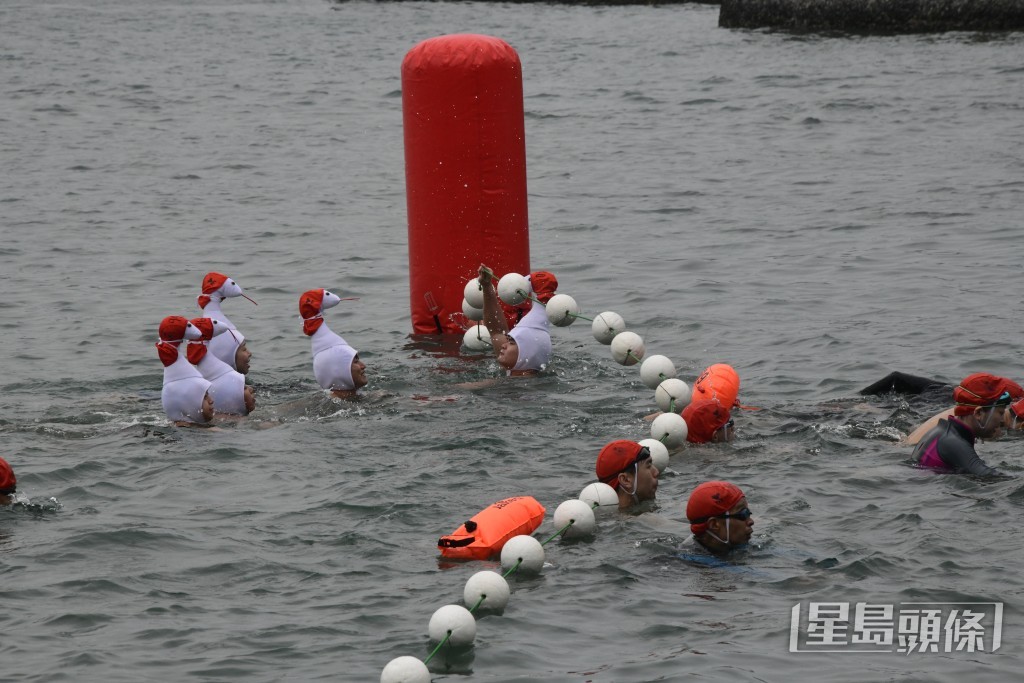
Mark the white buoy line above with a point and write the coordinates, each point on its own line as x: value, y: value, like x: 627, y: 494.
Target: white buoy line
x: 609, y: 328
x: 488, y: 591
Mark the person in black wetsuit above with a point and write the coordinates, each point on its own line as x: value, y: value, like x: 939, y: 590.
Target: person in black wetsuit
x: 981, y: 401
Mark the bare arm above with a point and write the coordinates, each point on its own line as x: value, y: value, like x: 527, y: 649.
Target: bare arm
x: 494, y: 317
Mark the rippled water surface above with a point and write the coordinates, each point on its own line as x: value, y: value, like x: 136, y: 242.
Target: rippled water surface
x: 816, y: 211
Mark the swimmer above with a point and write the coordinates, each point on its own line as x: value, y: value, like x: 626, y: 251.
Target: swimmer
x: 526, y: 350
x: 227, y: 387
x: 336, y: 364
x: 627, y: 467
x: 185, y: 395
x: 8, y: 483
x: 707, y: 420
x: 228, y: 347
x: 1010, y: 421
x: 719, y: 517
x: 981, y: 402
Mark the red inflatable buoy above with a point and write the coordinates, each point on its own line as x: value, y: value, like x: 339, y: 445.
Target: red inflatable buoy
x: 486, y: 533
x: 465, y: 171
x: 718, y: 381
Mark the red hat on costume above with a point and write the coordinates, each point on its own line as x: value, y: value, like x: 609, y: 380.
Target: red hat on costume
x: 8, y: 482
x: 310, y: 302
x: 544, y: 285
x: 703, y: 418
x: 614, y: 458
x: 979, y: 390
x: 710, y: 499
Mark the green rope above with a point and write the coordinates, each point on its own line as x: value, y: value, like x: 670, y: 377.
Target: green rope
x: 580, y: 315
x: 438, y: 648
x: 478, y: 603
x: 559, y: 532
x: 672, y: 405
x: 630, y: 354
x: 512, y: 568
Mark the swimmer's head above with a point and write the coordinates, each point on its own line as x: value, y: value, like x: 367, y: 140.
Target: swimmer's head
x: 627, y: 467
x: 207, y: 409
x: 508, y: 353
x: 707, y: 420
x: 243, y: 356
x: 980, y: 390
x: 719, y: 516
x: 358, y: 372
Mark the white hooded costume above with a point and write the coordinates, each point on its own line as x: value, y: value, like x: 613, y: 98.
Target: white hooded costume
x: 216, y: 288
x: 227, y: 387
x: 332, y: 355
x: 184, y: 387
x: 533, y: 340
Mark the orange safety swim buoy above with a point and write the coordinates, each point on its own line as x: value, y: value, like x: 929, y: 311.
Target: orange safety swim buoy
x: 718, y: 381
x: 486, y: 533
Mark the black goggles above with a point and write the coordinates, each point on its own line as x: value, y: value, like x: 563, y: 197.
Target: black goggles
x: 644, y: 453
x: 743, y: 515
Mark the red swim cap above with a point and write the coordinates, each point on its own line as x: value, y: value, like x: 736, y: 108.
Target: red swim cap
x: 978, y: 390
x: 544, y: 285
x: 1018, y: 409
x: 615, y: 457
x: 8, y: 482
x: 710, y: 499
x: 704, y: 418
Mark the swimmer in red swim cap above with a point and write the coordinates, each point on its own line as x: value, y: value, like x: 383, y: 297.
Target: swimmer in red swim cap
x: 719, y: 517
x: 627, y: 467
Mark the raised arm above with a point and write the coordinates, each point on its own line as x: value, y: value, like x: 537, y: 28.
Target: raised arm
x: 494, y: 317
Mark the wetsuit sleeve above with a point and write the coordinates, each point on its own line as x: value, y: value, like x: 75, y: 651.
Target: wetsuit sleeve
x: 959, y: 455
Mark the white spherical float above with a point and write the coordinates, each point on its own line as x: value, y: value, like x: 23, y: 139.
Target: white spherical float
x: 654, y: 370
x: 513, y: 289
x: 405, y: 670
x: 606, y: 325
x: 628, y: 348
x: 453, y: 619
x: 472, y: 313
x: 670, y: 429
x: 489, y: 589
x: 562, y: 310
x: 524, y: 550
x: 659, y: 453
x: 477, y: 338
x: 599, y: 494
x: 580, y: 514
x: 474, y: 293
x: 672, y: 395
